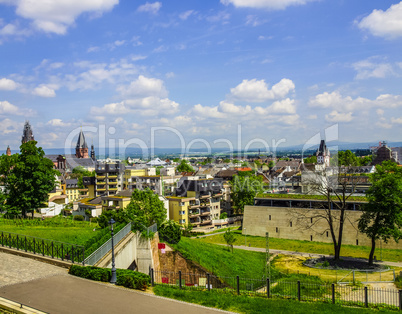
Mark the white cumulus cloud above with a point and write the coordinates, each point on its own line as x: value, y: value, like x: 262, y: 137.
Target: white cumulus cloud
x: 336, y: 116
x: 44, y: 91
x: 387, y: 24
x: 144, y: 86
x: 265, y: 4
x: 7, y: 84
x: 369, y: 68
x: 257, y: 90
x: 57, y: 16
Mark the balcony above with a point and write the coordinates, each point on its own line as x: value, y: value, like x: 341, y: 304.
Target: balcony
x: 205, y: 196
x: 100, y: 177
x: 100, y: 190
x: 193, y: 214
x: 206, y: 222
x: 112, y: 189
x: 194, y: 206
x: 112, y: 182
x: 206, y: 213
x: 100, y: 183
x: 112, y: 176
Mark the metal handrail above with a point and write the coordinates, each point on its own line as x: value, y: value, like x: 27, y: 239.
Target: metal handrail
x: 44, y: 247
x: 97, y: 255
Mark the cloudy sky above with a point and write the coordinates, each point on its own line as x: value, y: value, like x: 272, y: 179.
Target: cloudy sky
x: 209, y: 70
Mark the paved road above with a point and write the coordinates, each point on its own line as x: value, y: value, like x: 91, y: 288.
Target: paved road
x: 16, y: 269
x: 50, y: 290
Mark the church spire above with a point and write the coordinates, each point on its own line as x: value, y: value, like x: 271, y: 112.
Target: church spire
x: 27, y: 134
x: 81, y: 149
x: 8, y: 153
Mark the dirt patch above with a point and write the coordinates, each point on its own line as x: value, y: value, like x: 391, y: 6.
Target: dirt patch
x: 345, y: 264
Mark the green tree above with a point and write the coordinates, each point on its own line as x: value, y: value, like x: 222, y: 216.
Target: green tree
x: 187, y: 229
x: 271, y: 164
x: 244, y: 189
x: 311, y: 160
x: 145, y: 209
x: 28, y: 180
x: 184, y: 166
x: 382, y: 216
x: 223, y: 215
x: 170, y: 231
x: 229, y: 238
x: 80, y: 172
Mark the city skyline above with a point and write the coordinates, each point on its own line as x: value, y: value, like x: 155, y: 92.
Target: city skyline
x: 281, y: 69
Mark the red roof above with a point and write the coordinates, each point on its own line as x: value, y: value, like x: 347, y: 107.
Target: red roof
x: 243, y: 169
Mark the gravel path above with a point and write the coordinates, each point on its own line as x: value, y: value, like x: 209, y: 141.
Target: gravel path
x: 16, y: 269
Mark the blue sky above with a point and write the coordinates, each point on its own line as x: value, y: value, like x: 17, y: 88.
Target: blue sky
x: 277, y: 69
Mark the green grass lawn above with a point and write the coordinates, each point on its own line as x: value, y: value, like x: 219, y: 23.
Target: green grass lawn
x: 306, y: 246
x: 248, y: 304
x: 221, y: 261
x: 56, y: 229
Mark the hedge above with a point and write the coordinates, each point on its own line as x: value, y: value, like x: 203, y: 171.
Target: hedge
x: 103, y: 235
x: 125, y: 277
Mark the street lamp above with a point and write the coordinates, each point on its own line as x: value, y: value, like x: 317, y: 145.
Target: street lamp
x: 113, y: 279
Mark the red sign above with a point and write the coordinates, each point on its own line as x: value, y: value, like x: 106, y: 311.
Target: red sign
x: 161, y: 246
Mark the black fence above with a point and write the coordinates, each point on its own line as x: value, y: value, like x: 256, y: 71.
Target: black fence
x: 328, y: 293
x: 44, y: 247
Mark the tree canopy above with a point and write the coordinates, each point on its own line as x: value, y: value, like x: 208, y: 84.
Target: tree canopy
x: 28, y: 178
x: 184, y: 166
x: 382, y: 216
x: 229, y: 238
x: 145, y: 209
x: 244, y: 189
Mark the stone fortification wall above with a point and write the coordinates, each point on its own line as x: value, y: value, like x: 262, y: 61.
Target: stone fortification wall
x: 304, y: 224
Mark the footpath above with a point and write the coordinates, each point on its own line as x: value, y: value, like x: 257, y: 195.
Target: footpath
x: 44, y: 288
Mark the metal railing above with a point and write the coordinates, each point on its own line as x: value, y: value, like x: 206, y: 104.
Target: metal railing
x: 107, y: 246
x: 301, y: 291
x: 44, y: 247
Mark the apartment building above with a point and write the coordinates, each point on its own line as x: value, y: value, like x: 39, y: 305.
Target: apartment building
x: 196, y: 202
x: 109, y: 177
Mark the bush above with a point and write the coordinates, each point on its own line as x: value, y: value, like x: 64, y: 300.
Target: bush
x: 93, y: 219
x: 398, y: 282
x: 90, y: 272
x: 170, y: 231
x: 132, y: 279
x: 78, y: 218
x: 125, y: 277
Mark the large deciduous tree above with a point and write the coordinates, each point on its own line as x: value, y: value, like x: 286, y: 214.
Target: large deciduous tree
x: 28, y: 178
x: 244, y: 189
x: 337, y: 186
x: 145, y: 209
x: 382, y: 216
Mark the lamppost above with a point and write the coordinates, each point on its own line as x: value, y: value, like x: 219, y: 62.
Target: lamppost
x: 113, y: 279
x: 245, y: 237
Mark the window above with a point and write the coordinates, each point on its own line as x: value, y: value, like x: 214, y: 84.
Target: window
x: 290, y: 224
x: 182, y: 221
x: 181, y: 203
x: 327, y: 234
x: 357, y: 242
x: 269, y: 217
x: 311, y: 238
x: 277, y: 229
x: 182, y: 212
x: 311, y: 220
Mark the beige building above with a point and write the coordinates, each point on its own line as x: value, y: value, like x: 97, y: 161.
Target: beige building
x: 308, y: 224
